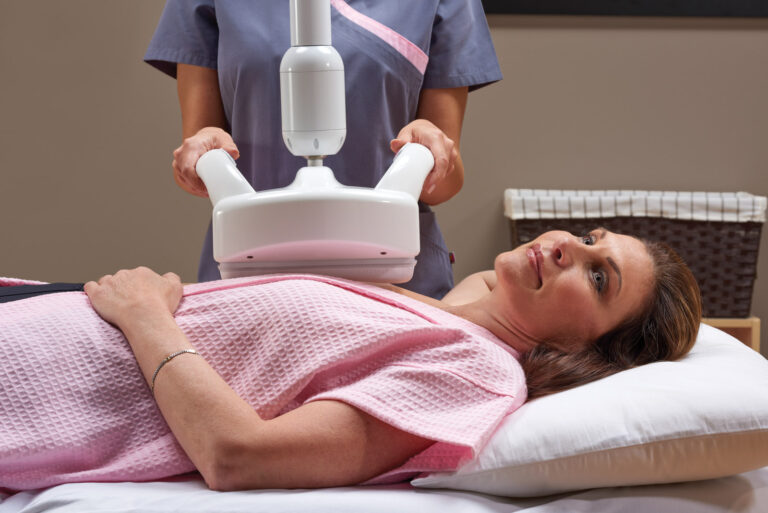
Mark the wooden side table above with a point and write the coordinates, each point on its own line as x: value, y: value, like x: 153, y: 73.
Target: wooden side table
x: 746, y: 330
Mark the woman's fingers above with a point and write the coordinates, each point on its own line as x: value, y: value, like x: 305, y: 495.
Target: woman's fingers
x: 121, y: 297
x: 172, y: 277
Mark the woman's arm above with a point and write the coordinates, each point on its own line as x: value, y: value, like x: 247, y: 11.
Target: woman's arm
x: 203, y: 124
x: 471, y: 288
x: 323, y: 443
x: 440, y: 116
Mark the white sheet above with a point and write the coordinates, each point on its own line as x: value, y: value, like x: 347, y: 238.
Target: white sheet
x: 744, y: 493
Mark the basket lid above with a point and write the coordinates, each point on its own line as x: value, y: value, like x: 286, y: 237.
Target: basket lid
x: 737, y: 207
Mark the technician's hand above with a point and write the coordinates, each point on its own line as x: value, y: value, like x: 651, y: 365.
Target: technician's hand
x: 185, y: 157
x: 442, y: 147
x: 128, y: 296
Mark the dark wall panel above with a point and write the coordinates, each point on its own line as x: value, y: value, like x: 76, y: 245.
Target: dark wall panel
x: 631, y: 7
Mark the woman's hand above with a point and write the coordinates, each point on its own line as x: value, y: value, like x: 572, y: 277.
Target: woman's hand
x: 185, y: 157
x: 134, y: 294
x: 442, y: 147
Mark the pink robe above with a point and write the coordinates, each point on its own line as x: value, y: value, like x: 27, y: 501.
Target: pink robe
x: 75, y: 407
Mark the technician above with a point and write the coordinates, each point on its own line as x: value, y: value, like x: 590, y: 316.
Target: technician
x: 408, y: 68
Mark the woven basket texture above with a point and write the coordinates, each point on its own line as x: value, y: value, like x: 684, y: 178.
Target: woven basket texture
x: 722, y: 255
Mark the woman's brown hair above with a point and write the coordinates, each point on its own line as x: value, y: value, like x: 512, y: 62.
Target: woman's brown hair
x: 664, y: 330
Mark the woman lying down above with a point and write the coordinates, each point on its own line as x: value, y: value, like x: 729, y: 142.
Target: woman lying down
x: 305, y: 381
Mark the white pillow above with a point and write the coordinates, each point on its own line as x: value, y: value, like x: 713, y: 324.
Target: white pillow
x: 701, y: 417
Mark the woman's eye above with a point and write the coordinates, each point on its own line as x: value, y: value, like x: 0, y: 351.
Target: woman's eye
x: 599, y: 279
x: 589, y: 240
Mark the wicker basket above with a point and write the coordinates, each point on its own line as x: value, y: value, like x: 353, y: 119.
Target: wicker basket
x: 717, y: 234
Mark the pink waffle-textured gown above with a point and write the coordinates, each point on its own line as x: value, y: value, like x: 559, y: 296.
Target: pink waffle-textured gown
x: 75, y: 407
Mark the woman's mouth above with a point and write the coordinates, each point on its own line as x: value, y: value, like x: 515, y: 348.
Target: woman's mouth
x: 535, y: 259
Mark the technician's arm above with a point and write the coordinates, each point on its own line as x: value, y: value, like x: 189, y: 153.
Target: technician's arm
x: 203, y: 124
x: 323, y: 443
x: 440, y: 117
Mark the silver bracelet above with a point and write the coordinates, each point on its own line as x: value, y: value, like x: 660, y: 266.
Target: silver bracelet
x: 166, y: 360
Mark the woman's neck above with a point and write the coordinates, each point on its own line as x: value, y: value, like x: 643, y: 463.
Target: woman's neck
x: 488, y: 313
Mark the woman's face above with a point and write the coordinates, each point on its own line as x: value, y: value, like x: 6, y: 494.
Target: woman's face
x: 569, y: 289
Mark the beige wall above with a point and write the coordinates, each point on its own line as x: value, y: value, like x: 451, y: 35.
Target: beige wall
x: 87, y: 130
x: 86, y: 135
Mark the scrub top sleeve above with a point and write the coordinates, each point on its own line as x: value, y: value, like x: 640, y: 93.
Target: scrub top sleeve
x: 461, y: 51
x: 187, y: 33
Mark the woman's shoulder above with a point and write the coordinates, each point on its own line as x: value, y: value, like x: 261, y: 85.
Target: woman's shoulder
x: 471, y: 288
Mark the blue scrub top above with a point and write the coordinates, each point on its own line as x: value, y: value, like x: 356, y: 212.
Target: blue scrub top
x: 392, y: 49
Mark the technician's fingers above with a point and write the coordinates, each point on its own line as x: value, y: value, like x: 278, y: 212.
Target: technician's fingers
x: 211, y: 138
x: 407, y: 134
x: 185, y: 157
x: 231, y: 148
x: 445, y: 154
x: 442, y: 160
x: 396, y: 144
x: 443, y: 149
x: 184, y: 160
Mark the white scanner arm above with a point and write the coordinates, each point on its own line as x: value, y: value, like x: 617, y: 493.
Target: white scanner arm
x: 220, y: 175
x: 408, y: 171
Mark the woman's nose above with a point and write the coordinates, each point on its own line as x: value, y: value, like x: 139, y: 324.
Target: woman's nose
x: 562, y: 251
